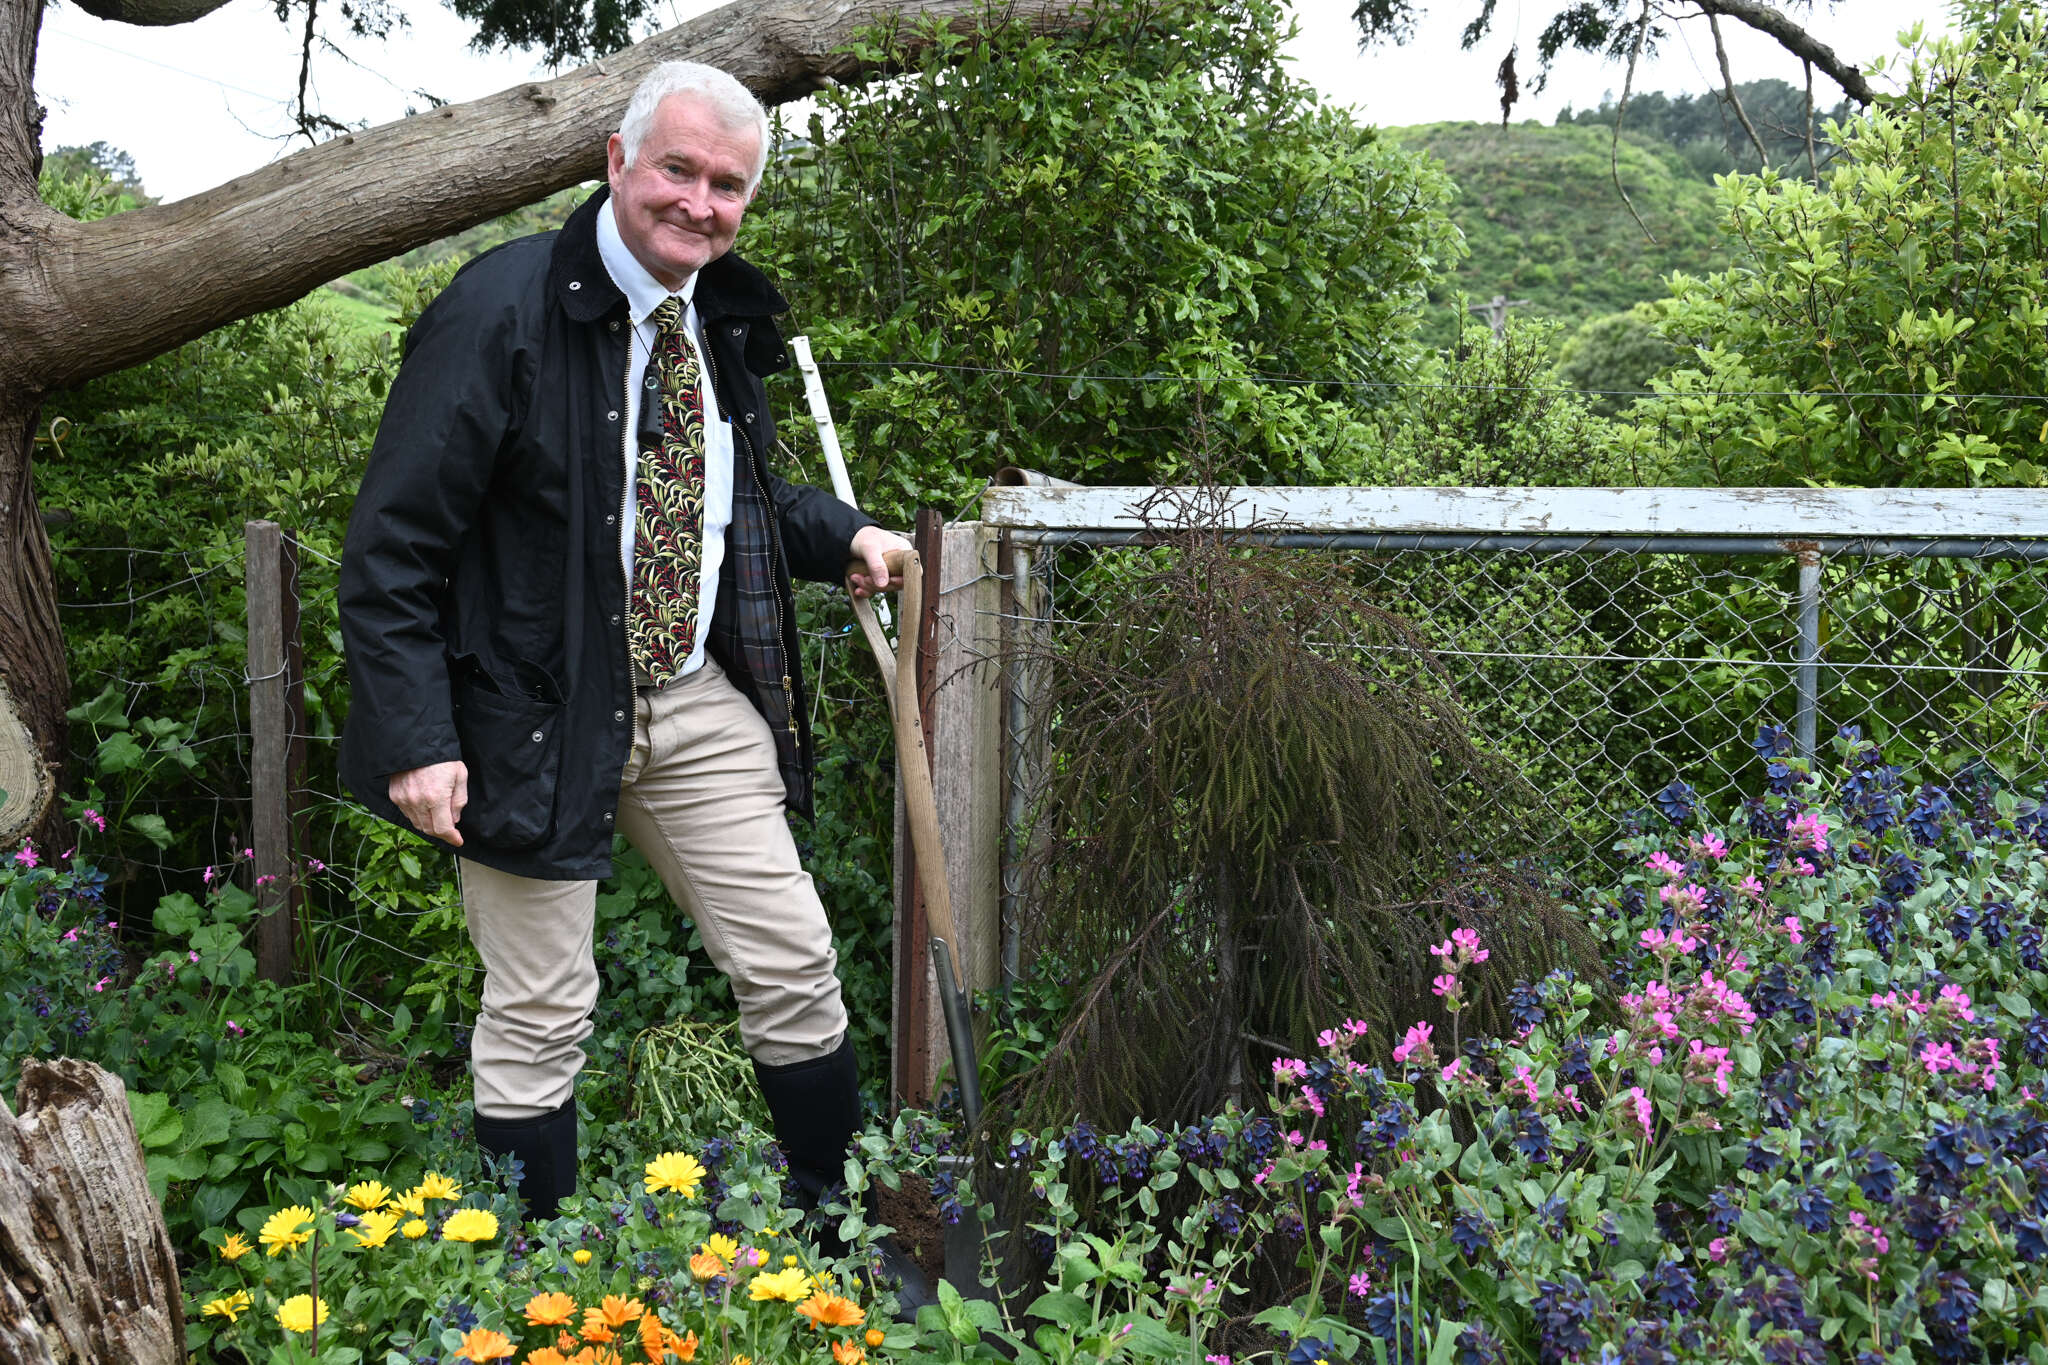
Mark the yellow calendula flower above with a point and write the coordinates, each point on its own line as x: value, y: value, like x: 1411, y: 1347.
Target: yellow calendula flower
x: 414, y: 1229
x: 722, y: 1246
x: 230, y: 1307
x: 581, y: 1256
x: 789, y: 1286
x: 410, y: 1203
x: 789, y: 1260
x: 874, y: 1337
x: 286, y: 1229
x: 375, y: 1229
x: 846, y: 1353
x: 677, y: 1171
x: 434, y: 1185
x: 470, y: 1225
x: 234, y: 1248
x: 370, y: 1194
x: 301, y: 1313
x: 705, y: 1266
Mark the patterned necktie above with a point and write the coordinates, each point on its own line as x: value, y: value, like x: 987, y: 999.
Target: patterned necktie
x: 668, y: 540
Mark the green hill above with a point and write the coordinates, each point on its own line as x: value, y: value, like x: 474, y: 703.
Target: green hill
x: 1539, y: 212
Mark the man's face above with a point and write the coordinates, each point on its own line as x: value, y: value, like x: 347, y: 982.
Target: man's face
x: 679, y: 202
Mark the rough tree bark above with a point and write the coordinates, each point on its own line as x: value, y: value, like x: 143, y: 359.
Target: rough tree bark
x: 86, y: 1270
x: 82, y: 299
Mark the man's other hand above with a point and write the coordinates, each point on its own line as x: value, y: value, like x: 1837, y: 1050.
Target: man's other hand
x: 432, y: 798
x: 871, y: 544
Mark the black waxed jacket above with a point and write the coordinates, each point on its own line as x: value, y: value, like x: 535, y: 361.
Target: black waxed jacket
x: 482, y: 596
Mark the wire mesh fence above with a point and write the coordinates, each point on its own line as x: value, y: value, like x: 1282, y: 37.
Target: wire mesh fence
x: 1607, y: 668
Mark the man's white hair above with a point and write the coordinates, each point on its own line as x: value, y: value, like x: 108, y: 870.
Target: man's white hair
x: 734, y: 105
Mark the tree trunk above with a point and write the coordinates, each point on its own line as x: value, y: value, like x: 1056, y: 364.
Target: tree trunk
x: 34, y: 683
x: 86, y: 1271
x: 84, y: 299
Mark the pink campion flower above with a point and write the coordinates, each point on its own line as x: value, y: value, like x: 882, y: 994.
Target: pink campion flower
x: 235, y: 1029
x: 1445, y: 950
x: 1685, y: 900
x: 1791, y: 923
x: 1361, y: 1285
x: 1447, y: 984
x: 1958, y: 1003
x: 1644, y: 1110
x: 315, y: 865
x: 71, y: 935
x: 1985, y: 1051
x: 1356, y: 1027
x: 1804, y: 868
x: 1738, y: 962
x: 1414, y: 1041
x: 1709, y: 1064
x: 1294, y: 1138
x: 1468, y: 943
x: 1751, y: 887
x: 1665, y: 1022
x: 1717, y: 1250
x: 26, y: 855
x: 1312, y: 1099
x: 1664, y: 865
x: 103, y: 983
x: 1528, y: 1083
x: 1351, y: 1183
x: 1454, y: 1070
x: 193, y: 954
x: 1712, y: 845
x: 207, y: 876
x: 1808, y: 830
x: 1657, y: 1056
x: 1568, y: 1097
x: 265, y: 880
x: 1289, y: 1068
x: 95, y: 819
x: 249, y: 853
x: 1327, y: 1038
x: 1215, y: 1360
x: 1940, y: 1057
x: 1878, y: 1241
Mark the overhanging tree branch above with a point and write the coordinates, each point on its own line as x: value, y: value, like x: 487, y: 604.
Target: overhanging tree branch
x: 1795, y: 40
x: 139, y: 283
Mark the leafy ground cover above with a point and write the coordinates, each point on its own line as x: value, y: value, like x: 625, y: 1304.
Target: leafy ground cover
x: 1800, y: 1117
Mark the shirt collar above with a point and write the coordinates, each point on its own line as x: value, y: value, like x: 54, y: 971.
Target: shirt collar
x: 643, y: 292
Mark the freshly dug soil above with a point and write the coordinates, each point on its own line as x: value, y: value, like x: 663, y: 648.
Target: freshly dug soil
x: 915, y: 1217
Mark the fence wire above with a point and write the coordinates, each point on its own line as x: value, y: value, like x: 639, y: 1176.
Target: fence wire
x: 1607, y: 673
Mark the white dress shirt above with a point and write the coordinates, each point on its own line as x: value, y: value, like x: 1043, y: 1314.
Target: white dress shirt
x: 644, y: 294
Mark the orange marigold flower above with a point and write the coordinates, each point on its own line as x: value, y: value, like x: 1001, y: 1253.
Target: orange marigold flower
x: 653, y: 1340
x: 874, y: 1337
x: 594, y: 1326
x: 546, y: 1355
x: 705, y: 1266
x: 830, y: 1310
x: 620, y: 1311
x: 684, y: 1346
x: 550, y: 1310
x: 482, y: 1344
x: 846, y: 1353
x: 564, y: 1342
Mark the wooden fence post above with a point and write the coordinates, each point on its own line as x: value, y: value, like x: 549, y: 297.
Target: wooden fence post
x: 277, y: 725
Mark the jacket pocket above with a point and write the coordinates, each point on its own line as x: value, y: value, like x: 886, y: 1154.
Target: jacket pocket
x: 512, y: 746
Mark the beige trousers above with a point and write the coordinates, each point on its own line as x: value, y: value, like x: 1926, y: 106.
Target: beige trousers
x: 701, y: 798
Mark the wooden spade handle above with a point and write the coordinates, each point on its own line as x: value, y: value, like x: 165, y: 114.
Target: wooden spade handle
x: 906, y: 573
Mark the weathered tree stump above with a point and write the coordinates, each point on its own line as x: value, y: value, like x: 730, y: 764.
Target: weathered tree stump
x: 86, y: 1271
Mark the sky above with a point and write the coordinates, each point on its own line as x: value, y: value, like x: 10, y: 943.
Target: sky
x: 200, y: 103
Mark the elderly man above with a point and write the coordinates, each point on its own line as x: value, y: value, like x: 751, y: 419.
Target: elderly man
x: 566, y: 606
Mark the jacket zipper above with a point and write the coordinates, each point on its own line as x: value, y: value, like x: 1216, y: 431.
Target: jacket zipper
x: 775, y: 545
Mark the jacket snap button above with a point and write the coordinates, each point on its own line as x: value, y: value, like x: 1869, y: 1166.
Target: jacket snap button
x: 612, y: 520
x: 615, y: 621
x: 615, y: 324
x: 575, y: 284
x: 612, y: 416
x: 618, y: 715
x: 538, y: 736
x: 607, y: 817
x: 736, y: 331
x: 750, y: 417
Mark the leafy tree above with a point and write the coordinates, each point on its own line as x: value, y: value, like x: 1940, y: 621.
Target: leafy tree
x: 1875, y: 329
x: 97, y: 161
x: 1614, y: 357
x: 1056, y: 252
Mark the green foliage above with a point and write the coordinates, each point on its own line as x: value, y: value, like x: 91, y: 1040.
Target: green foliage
x: 1705, y: 130
x: 1613, y: 358
x: 1000, y: 240
x: 1874, y: 329
x: 1542, y: 222
x: 1490, y: 413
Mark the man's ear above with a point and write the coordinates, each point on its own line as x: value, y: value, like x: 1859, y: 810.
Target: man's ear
x: 614, y: 159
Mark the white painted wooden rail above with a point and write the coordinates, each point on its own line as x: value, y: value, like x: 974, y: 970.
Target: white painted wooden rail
x: 1786, y: 513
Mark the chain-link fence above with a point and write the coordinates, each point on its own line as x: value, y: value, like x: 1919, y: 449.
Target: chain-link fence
x: 1608, y: 667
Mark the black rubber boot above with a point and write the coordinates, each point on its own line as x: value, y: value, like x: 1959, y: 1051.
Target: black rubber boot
x: 815, y: 1106
x: 545, y: 1147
